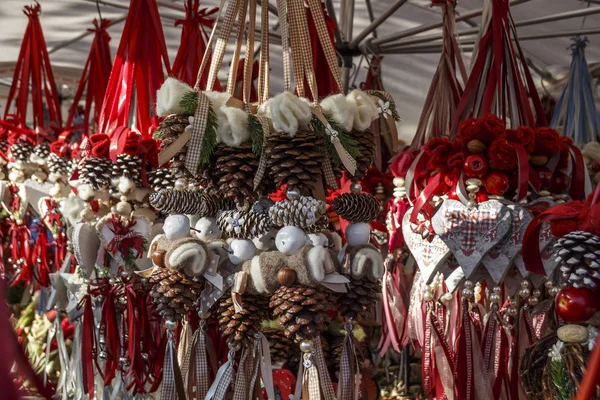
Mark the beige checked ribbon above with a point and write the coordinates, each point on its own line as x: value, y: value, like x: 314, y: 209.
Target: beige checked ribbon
x: 348, y: 384
x: 390, y: 136
x: 172, y: 384
x: 196, y: 370
x: 222, y: 381
x: 192, y: 157
x: 241, y: 386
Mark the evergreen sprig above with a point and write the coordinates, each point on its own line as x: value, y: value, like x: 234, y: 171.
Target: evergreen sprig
x: 189, y: 102
x: 562, y: 381
x: 345, y: 138
x: 393, y: 108
x: 257, y: 132
x: 209, y: 142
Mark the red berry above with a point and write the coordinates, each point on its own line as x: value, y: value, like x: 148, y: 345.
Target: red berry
x: 575, y: 304
x: 545, y: 175
x: 560, y: 182
x: 496, y: 183
x: 475, y: 166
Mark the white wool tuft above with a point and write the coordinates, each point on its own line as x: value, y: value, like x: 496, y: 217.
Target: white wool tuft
x: 34, y: 158
x: 289, y: 113
x: 365, y: 109
x: 217, y: 99
x: 169, y: 96
x: 236, y: 131
x: 342, y: 112
x: 85, y: 192
x: 71, y: 208
x: 125, y: 186
x: 256, y: 275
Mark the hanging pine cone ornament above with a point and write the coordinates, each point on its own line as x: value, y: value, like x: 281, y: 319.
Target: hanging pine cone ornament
x: 320, y: 225
x: 365, y: 144
x: 21, y: 151
x: 4, y: 146
x: 41, y: 152
x: 243, y: 224
x: 240, y: 328
x: 356, y: 207
x: 160, y: 179
x: 96, y: 171
x: 579, y: 256
x: 171, y: 127
x: 295, y: 161
x: 172, y: 201
x: 57, y: 165
x: 303, y: 212
x: 129, y: 166
x: 283, y: 349
x: 235, y: 168
x: 173, y: 294
x: 360, y: 299
x: 301, y: 310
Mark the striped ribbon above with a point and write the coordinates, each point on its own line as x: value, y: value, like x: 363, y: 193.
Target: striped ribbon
x: 265, y: 65
x: 192, y: 157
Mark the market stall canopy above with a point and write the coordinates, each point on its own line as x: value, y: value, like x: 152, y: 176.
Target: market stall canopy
x: 407, y: 70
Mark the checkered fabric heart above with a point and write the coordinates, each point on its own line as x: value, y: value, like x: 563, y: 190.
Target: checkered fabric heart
x: 470, y: 234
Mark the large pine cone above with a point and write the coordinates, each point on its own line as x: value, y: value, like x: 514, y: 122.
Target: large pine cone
x: 360, y: 298
x: 57, y: 165
x: 243, y: 224
x: 129, y: 166
x: 173, y: 294
x: 356, y: 207
x: 303, y: 212
x: 283, y: 349
x: 365, y: 144
x: 42, y: 150
x: 171, y: 127
x: 96, y: 171
x: 241, y: 328
x: 295, y: 161
x: 579, y: 256
x: 160, y: 179
x: 21, y: 151
x: 235, y: 168
x: 172, y: 201
x: 301, y: 311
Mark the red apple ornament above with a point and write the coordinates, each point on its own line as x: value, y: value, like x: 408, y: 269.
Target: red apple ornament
x: 545, y: 175
x: 496, y: 183
x: 575, y: 304
x: 476, y: 166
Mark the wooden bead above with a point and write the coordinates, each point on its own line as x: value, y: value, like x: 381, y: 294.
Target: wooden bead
x: 158, y: 257
x: 476, y: 146
x: 286, y: 277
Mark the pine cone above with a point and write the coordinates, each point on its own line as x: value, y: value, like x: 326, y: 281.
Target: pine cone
x: 234, y: 171
x: 171, y: 127
x: 295, y: 161
x: 57, y: 165
x: 356, y: 207
x: 283, y: 349
x: 579, y: 256
x: 322, y: 224
x: 365, y: 144
x: 21, y: 151
x: 360, y: 299
x: 160, y: 179
x: 42, y: 150
x: 173, y: 201
x: 241, y: 328
x: 302, y: 212
x: 129, y: 166
x: 4, y: 146
x: 301, y: 311
x: 173, y: 294
x: 96, y: 172
x: 243, y: 224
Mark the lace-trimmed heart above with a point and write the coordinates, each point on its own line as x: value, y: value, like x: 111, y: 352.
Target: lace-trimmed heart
x: 470, y: 234
x: 499, y: 258
x: 430, y: 253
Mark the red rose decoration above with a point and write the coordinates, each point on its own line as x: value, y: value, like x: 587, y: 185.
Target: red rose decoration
x: 502, y: 155
x: 524, y: 136
x: 132, y: 143
x: 100, y: 144
x: 439, y: 151
x: 402, y: 162
x: 561, y: 227
x: 547, y: 141
x: 456, y: 161
x: 564, y: 149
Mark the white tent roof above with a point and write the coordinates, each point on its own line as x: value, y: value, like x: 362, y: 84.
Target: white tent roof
x: 405, y: 76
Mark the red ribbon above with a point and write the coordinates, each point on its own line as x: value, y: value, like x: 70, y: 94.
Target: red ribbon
x: 193, y: 44
x: 88, y: 345
x: 577, y: 189
x: 94, y: 78
x: 464, y: 370
x: 33, y: 72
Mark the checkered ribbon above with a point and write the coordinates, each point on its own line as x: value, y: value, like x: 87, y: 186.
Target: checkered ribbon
x: 348, y: 382
x: 241, y: 378
x: 342, y: 153
x: 316, y: 10
x: 192, y: 157
x: 326, y: 386
x: 241, y: 25
x: 285, y: 42
x: 262, y: 165
x: 172, y: 384
x: 197, y: 373
x: 223, y: 379
x: 390, y: 136
x: 301, y: 51
x: 264, y: 69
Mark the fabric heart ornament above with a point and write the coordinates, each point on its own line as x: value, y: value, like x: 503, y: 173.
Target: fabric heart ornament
x: 429, y: 253
x: 546, y: 242
x: 453, y: 273
x: 86, y: 245
x: 500, y: 257
x: 471, y: 233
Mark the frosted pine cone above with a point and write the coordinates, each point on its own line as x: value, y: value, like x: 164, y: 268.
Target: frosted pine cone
x: 57, y: 165
x: 160, y: 179
x: 356, y: 207
x: 129, y: 166
x: 243, y: 224
x: 303, y: 212
x: 96, y: 171
x: 579, y: 256
x: 21, y: 151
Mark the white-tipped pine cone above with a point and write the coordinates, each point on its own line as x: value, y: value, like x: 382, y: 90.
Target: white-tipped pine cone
x: 579, y: 256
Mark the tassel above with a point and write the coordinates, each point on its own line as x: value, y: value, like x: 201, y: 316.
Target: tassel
x: 223, y: 379
x: 349, y: 377
x: 172, y: 383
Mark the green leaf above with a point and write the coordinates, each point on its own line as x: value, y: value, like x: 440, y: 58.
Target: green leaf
x: 562, y: 381
x: 257, y: 132
x: 209, y: 142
